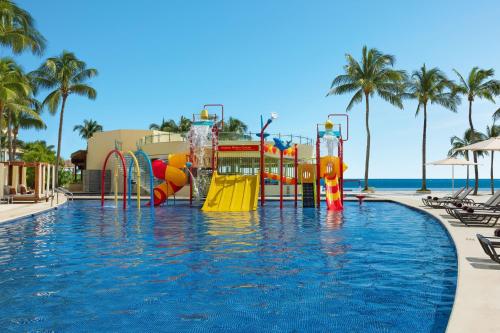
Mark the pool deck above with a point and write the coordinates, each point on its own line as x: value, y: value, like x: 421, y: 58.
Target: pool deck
x: 477, y: 299
x: 19, y: 210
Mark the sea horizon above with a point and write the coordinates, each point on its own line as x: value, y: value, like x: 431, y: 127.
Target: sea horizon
x: 402, y: 184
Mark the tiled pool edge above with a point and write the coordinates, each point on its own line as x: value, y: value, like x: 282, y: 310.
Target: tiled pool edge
x: 35, y: 212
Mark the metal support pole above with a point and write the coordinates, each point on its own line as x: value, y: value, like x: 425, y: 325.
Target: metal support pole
x: 262, y: 164
x: 281, y: 179
x: 318, y: 160
x: 296, y: 167
x: 341, y: 170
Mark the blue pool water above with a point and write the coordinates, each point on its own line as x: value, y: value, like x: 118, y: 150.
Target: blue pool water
x: 379, y: 267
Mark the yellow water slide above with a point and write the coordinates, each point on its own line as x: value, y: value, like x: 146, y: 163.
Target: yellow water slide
x: 232, y: 193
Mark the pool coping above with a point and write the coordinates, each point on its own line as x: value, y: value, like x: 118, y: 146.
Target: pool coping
x: 34, y: 209
x: 475, y: 305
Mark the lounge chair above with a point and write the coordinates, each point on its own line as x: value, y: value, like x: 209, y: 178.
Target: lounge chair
x: 489, y: 245
x: 428, y: 200
x: 493, y: 203
x: 443, y: 203
x: 481, y: 217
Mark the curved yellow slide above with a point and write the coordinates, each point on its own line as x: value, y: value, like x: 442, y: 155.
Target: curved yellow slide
x: 232, y: 193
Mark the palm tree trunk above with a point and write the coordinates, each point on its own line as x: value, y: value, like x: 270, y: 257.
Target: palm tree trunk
x: 15, y: 131
x: 474, y: 154
x: 492, y: 180
x: 9, y: 133
x: 1, y: 130
x: 367, y: 158
x: 59, y: 137
x: 467, y: 158
x: 424, y: 141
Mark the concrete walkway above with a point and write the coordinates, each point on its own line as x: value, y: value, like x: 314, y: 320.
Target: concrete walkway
x: 477, y: 299
x: 19, y: 210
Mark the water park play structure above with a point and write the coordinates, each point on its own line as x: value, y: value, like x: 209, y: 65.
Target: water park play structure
x: 229, y: 174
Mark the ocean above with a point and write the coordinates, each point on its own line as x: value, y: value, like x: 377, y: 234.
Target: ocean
x: 391, y: 184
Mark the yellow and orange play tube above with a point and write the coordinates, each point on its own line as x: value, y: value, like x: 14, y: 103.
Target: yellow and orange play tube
x: 175, y: 178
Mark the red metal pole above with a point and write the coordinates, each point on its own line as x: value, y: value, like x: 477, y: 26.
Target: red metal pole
x: 281, y: 179
x: 296, y: 166
x: 318, y: 160
x: 262, y: 165
x: 341, y: 170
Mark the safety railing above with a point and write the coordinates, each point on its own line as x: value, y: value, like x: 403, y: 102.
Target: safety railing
x: 223, y: 136
x: 65, y: 192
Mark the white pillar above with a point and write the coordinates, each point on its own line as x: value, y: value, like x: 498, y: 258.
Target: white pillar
x: 53, y: 167
x: 47, y: 179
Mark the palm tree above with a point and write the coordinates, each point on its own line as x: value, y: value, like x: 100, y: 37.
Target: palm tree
x: 374, y: 74
x: 492, y: 132
x: 67, y: 75
x: 88, y: 128
x: 468, y: 138
x: 479, y: 84
x: 184, y: 125
x: 235, y: 125
x: 24, y: 120
x: 13, y: 86
x: 17, y: 29
x: 496, y: 115
x: 430, y: 86
x: 165, y: 126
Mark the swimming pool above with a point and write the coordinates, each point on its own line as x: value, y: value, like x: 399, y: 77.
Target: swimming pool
x: 381, y: 267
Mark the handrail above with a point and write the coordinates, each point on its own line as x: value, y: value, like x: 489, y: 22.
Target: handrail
x: 223, y: 136
x: 64, y: 191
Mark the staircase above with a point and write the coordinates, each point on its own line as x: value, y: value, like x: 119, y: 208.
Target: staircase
x: 308, y: 195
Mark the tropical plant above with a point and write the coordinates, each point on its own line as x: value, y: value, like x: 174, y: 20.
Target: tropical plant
x: 496, y: 115
x: 170, y: 125
x: 66, y: 75
x: 468, y: 138
x: 430, y: 86
x: 184, y: 124
x: 373, y: 74
x: 13, y: 88
x: 165, y: 126
x: 492, y: 132
x: 234, y: 129
x: 38, y: 151
x: 17, y: 29
x: 87, y: 129
x: 479, y: 84
x: 24, y: 120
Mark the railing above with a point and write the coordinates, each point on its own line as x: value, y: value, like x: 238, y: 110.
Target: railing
x: 67, y: 194
x: 223, y: 136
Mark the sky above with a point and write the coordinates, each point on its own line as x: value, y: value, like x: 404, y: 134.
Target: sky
x: 163, y: 59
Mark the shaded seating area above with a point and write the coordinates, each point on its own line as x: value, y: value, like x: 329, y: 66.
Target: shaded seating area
x: 26, y: 181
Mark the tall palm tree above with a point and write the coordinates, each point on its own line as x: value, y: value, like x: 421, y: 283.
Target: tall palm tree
x: 235, y: 125
x: 373, y: 74
x: 13, y: 86
x: 184, y: 124
x: 17, y: 29
x: 66, y: 75
x: 430, y: 86
x: 24, y: 120
x: 468, y: 138
x: 27, y: 110
x: 479, y: 84
x: 492, y: 132
x: 165, y: 126
x: 88, y: 128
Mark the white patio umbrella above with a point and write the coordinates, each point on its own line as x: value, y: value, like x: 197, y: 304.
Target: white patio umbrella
x: 491, y: 144
x: 452, y: 161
